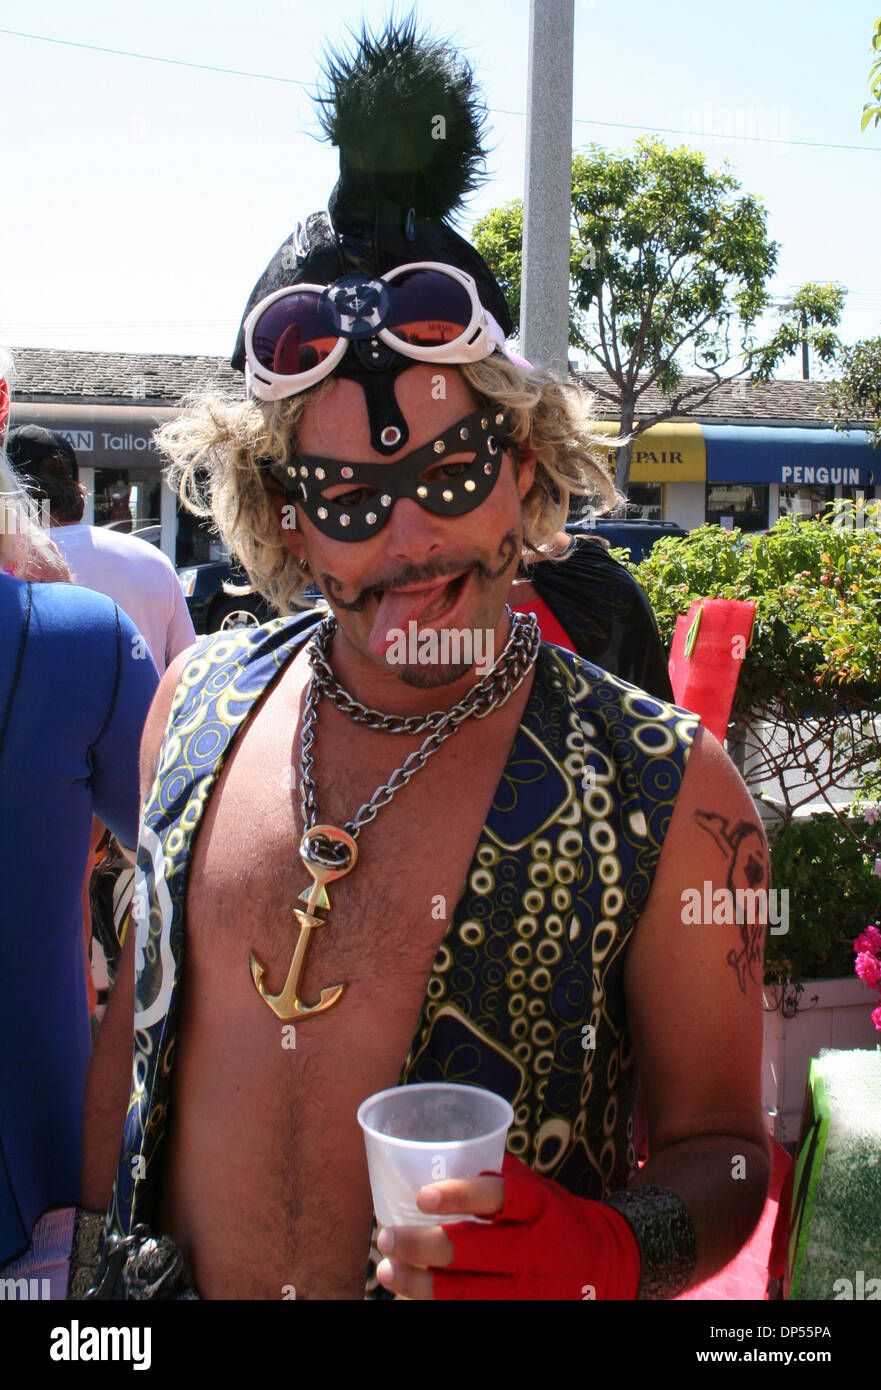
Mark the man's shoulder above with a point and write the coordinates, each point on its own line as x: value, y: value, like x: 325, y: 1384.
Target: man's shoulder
x: 72, y: 537
x: 114, y: 550
x: 272, y: 644
x: 589, y: 684
x: 133, y: 549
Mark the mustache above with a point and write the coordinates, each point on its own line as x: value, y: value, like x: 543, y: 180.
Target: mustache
x: 411, y: 575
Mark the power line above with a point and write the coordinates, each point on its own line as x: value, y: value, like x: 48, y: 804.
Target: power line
x: 152, y: 58
x: 494, y: 110
x: 705, y: 134
x: 712, y: 135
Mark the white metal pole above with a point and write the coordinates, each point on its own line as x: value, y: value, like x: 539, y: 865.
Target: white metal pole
x: 544, y: 305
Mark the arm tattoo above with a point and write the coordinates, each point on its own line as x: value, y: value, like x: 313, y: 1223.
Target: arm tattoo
x: 746, y: 851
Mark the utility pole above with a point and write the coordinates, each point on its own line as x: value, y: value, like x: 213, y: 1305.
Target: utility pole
x: 547, y: 208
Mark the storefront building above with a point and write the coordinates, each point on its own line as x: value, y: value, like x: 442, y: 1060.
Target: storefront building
x: 761, y: 454
x: 750, y: 456
x: 109, y: 405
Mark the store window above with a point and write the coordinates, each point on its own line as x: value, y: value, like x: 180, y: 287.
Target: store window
x: 649, y: 499
x: 197, y: 542
x: 127, y: 501
x: 858, y: 518
x: 743, y: 505
x: 804, y: 501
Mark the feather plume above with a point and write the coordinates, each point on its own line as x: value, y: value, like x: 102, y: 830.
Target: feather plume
x: 408, y: 119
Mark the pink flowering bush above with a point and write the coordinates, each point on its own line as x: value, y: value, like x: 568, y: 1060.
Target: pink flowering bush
x: 868, y: 964
x: 868, y: 940
x: 868, y: 968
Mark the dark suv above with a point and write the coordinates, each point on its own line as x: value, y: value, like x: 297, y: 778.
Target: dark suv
x: 210, y: 608
x: 631, y: 533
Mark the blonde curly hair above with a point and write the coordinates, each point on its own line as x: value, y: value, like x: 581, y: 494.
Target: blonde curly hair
x: 26, y: 551
x: 220, y: 447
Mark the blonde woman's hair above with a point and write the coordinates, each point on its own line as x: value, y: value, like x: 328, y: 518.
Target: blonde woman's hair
x: 220, y: 447
x: 25, y: 549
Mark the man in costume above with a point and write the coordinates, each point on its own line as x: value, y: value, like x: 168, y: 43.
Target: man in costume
x: 356, y: 873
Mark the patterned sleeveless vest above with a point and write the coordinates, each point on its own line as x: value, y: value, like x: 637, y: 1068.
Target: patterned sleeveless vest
x: 526, y: 993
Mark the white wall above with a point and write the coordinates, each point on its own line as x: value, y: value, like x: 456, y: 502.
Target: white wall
x: 168, y: 521
x: 685, y: 503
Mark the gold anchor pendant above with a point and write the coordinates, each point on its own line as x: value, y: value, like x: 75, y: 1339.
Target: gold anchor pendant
x: 324, y: 868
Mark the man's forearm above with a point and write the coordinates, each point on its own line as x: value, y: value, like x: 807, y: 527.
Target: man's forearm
x: 723, y: 1181
x: 108, y: 1087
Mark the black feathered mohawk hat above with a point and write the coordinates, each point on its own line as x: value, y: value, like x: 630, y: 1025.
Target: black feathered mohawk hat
x: 408, y: 120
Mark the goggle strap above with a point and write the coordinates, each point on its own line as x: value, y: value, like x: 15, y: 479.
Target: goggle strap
x: 383, y: 412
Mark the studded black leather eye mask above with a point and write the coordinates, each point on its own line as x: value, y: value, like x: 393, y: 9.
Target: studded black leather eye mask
x: 374, y: 488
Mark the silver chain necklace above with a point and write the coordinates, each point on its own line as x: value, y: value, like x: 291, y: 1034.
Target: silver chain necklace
x: 327, y: 851
x: 489, y: 694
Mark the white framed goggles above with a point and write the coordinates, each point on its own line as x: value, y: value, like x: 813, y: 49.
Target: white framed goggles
x: 428, y: 311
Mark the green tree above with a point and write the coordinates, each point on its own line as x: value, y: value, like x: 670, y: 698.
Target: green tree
x: 808, y: 320
x: 872, y: 109
x: 856, y: 396
x: 667, y: 259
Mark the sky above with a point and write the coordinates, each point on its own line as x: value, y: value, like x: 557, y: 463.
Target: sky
x: 142, y: 199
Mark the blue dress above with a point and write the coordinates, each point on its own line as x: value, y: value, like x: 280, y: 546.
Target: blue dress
x: 72, y: 731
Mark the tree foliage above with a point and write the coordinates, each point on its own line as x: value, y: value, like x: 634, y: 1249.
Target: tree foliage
x: 856, y: 395
x: 810, y: 317
x: 872, y: 109
x: 668, y: 261
x: 833, y: 895
x: 818, y: 590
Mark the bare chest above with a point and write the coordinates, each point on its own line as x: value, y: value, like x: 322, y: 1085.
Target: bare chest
x: 384, y: 919
x: 285, y: 1092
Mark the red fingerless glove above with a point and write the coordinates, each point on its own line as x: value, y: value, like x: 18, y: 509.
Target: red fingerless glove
x: 544, y: 1243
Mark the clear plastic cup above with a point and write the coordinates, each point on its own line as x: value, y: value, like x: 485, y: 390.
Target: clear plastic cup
x: 417, y: 1135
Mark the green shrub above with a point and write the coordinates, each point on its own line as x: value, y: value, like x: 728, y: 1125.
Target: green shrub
x: 817, y: 588
x: 833, y: 895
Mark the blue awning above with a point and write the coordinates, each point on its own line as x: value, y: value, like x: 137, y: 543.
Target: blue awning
x: 758, y: 454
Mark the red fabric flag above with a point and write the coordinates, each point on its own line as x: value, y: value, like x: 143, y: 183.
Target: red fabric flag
x: 708, y: 650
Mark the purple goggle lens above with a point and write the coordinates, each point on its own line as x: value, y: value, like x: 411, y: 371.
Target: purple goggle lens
x: 292, y: 336
x: 428, y: 309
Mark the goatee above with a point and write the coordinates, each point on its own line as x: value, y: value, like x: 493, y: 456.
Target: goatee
x: 430, y: 677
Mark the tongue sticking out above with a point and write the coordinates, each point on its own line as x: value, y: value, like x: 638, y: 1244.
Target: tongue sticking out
x: 396, y: 610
